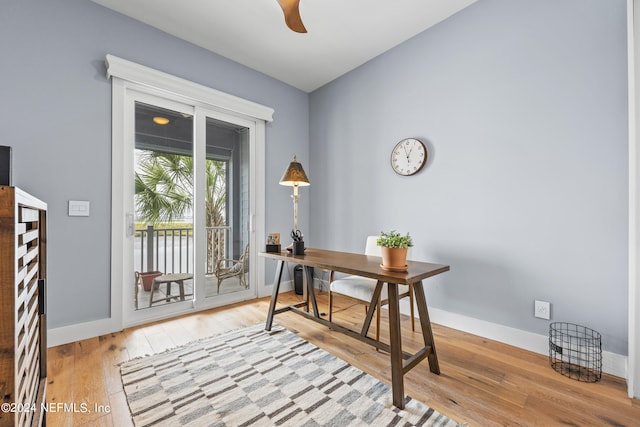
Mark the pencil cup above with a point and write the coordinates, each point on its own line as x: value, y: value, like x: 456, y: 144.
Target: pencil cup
x: 298, y: 248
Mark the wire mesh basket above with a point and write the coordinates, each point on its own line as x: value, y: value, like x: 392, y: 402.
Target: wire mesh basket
x: 575, y: 351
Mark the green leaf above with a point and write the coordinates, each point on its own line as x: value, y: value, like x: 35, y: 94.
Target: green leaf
x: 393, y: 239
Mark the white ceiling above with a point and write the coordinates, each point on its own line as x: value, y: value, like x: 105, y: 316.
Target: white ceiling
x: 342, y: 34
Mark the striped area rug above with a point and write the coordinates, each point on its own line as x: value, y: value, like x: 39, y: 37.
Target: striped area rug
x: 251, y: 377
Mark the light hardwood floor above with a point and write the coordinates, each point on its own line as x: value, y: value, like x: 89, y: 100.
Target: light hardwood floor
x: 482, y: 382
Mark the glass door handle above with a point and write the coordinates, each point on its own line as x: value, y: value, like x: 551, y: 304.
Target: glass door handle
x: 130, y: 225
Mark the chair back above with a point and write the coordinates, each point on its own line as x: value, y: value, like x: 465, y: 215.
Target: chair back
x: 244, y: 259
x: 373, y: 249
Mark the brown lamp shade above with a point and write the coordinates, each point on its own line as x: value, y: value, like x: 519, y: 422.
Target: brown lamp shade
x: 294, y: 175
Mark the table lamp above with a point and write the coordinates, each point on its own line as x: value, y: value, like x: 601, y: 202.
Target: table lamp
x: 295, y: 177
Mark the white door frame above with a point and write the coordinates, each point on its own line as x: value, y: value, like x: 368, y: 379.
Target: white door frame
x: 633, y: 46
x: 127, y: 76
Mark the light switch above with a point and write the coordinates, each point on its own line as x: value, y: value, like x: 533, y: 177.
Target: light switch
x: 78, y: 208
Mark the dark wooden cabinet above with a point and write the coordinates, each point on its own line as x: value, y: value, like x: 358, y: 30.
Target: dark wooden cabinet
x: 23, y: 326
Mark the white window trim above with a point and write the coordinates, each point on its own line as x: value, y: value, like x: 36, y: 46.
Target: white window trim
x: 136, y: 73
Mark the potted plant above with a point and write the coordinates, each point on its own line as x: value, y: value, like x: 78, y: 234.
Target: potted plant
x: 393, y: 249
x: 147, y: 279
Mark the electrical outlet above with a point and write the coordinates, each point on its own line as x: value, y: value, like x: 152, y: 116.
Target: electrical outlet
x: 542, y: 310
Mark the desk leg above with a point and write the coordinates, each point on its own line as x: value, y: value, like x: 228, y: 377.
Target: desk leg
x: 425, y: 325
x: 373, y: 306
x: 274, y: 295
x: 395, y: 341
x: 311, y: 294
x: 305, y: 291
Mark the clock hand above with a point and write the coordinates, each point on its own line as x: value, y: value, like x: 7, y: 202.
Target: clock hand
x: 407, y: 154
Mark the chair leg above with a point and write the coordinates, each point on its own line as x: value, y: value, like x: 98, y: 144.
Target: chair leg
x: 330, y: 305
x: 181, y: 289
x: 153, y: 291
x: 168, y: 292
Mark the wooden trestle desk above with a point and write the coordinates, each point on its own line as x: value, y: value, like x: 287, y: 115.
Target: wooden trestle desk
x: 366, y: 266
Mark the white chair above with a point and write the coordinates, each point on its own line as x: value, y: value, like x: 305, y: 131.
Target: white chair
x: 360, y: 289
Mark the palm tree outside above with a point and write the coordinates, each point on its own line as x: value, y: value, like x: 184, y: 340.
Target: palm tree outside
x: 164, y: 193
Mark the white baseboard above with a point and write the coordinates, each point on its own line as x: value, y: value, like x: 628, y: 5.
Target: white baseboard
x: 612, y: 363
x: 81, y: 331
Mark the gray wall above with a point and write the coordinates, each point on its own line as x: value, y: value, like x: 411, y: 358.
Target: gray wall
x: 522, y: 105
x: 55, y: 110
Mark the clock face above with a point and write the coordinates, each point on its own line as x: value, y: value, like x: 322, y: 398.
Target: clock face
x: 408, y: 156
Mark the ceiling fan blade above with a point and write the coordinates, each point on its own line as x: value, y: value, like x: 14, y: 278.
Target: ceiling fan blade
x: 292, y: 15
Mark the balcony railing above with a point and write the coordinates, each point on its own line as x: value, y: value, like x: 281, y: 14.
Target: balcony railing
x: 170, y: 250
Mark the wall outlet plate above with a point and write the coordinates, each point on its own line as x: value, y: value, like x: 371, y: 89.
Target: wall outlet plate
x: 542, y: 310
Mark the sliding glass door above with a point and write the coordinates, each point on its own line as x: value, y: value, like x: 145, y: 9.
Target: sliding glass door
x: 190, y: 208
x: 163, y: 204
x: 227, y: 209
x: 188, y: 195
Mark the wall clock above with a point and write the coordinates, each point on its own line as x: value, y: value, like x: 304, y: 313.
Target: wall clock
x: 408, y: 156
